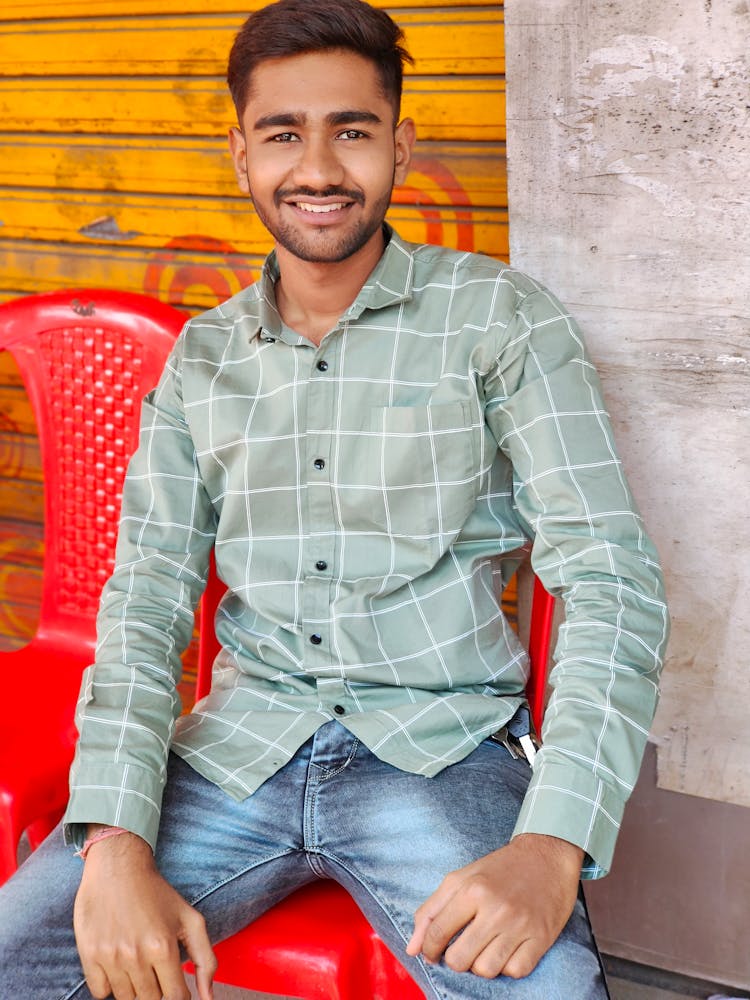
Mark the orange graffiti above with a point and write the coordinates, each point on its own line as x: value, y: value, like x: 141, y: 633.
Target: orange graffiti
x: 171, y: 278
x: 456, y: 209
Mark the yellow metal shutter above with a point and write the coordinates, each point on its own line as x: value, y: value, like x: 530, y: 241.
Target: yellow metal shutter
x: 113, y: 162
x: 114, y: 173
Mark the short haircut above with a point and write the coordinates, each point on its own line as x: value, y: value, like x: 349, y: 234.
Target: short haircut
x: 294, y: 27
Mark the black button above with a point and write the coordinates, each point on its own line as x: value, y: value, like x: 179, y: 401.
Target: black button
x: 270, y: 340
x: 319, y: 464
x: 321, y: 564
x: 322, y: 366
x: 339, y: 710
x: 316, y: 639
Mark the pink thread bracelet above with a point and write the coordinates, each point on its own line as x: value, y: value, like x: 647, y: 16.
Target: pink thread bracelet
x: 107, y: 831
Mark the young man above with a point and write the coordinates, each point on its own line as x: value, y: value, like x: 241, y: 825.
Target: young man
x: 358, y: 436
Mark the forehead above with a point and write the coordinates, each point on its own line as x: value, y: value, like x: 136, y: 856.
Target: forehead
x: 315, y: 84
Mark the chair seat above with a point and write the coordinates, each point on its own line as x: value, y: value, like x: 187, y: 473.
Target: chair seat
x: 315, y: 944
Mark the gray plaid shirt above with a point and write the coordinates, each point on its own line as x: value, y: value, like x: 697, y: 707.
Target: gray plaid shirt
x: 359, y: 495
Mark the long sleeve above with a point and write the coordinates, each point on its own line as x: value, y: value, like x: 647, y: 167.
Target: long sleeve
x: 545, y: 407
x: 129, y: 702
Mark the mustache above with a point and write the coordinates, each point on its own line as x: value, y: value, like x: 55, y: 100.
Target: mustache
x: 298, y: 194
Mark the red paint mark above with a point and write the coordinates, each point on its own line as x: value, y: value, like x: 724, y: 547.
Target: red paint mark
x: 169, y: 279
x: 455, y: 210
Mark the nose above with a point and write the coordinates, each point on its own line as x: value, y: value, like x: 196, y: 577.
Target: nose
x: 318, y: 166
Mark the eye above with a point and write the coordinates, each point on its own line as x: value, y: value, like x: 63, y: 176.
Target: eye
x: 284, y: 137
x: 352, y: 133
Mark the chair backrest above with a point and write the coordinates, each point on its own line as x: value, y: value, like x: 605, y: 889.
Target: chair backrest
x: 540, y: 638
x: 87, y: 358
x: 540, y: 635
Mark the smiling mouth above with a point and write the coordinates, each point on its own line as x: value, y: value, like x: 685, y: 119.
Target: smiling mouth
x: 306, y: 206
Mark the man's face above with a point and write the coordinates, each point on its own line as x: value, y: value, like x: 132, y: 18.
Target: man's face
x: 318, y: 154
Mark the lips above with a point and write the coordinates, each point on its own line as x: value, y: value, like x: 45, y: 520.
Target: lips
x: 318, y: 203
x: 317, y: 209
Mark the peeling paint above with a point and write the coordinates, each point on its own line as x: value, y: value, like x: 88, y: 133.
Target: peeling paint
x: 107, y: 228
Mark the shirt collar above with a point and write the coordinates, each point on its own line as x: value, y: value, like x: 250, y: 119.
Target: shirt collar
x: 388, y: 284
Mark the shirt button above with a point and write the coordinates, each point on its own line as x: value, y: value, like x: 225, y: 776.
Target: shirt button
x: 321, y: 564
x: 322, y: 366
x: 339, y: 710
x: 315, y: 639
x: 319, y: 464
x: 270, y: 340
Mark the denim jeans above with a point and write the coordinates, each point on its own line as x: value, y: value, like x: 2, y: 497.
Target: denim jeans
x: 335, y: 811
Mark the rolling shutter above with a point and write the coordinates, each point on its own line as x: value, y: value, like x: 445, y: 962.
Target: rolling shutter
x: 114, y: 172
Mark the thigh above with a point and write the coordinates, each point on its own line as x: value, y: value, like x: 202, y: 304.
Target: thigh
x: 391, y: 837
x: 231, y: 860
x: 38, y: 956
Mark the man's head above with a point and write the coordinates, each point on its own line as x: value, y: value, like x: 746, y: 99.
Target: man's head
x: 293, y: 27
x: 319, y: 145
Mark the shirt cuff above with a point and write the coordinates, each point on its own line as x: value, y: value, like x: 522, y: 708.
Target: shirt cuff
x: 116, y: 795
x: 571, y: 803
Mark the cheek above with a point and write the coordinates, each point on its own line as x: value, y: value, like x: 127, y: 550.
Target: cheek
x: 376, y: 172
x: 265, y: 174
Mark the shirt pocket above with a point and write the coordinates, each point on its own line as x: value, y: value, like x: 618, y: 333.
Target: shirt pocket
x: 425, y: 463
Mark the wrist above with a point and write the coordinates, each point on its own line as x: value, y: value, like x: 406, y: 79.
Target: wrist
x: 95, y: 834
x: 567, y: 854
x: 113, y: 842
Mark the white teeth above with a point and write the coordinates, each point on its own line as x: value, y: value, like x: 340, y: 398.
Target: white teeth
x: 319, y: 209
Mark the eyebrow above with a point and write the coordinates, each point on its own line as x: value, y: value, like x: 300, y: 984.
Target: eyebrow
x: 291, y: 119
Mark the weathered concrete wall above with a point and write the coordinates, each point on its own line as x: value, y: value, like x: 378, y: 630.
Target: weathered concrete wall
x: 629, y: 159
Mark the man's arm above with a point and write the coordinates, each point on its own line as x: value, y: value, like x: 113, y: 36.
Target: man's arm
x: 545, y: 409
x: 129, y: 700
x: 130, y: 924
x: 589, y: 547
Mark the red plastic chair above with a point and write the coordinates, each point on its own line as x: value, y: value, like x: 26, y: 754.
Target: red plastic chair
x: 86, y: 358
x: 316, y: 943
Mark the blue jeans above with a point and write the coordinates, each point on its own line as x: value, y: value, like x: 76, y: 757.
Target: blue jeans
x: 335, y: 811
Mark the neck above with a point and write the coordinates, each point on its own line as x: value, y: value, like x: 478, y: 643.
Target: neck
x: 312, y: 297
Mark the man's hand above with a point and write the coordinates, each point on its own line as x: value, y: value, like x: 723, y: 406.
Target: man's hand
x: 129, y: 923
x: 504, y: 910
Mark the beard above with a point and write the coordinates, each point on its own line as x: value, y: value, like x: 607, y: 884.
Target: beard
x: 321, y: 246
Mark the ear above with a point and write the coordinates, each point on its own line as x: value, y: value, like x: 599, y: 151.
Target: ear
x: 238, y: 151
x: 404, y: 138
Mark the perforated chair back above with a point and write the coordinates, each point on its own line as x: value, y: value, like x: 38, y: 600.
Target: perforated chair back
x: 87, y: 359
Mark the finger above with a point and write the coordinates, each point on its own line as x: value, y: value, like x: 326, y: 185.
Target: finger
x: 489, y: 961
x: 147, y: 987
x: 198, y: 946
x: 421, y: 923
x: 524, y: 959
x: 122, y: 987
x: 168, y: 979
x: 428, y: 911
x: 477, y: 939
x: 97, y: 981
x: 441, y: 930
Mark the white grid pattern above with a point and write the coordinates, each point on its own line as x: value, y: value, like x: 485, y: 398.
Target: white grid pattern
x: 357, y: 493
